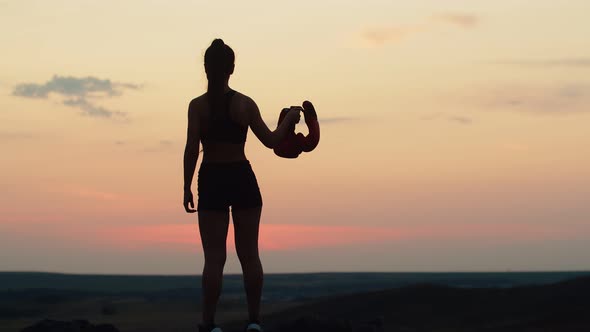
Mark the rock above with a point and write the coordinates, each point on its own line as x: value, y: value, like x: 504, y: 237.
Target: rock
x: 48, y: 325
x: 318, y: 324
x: 315, y: 323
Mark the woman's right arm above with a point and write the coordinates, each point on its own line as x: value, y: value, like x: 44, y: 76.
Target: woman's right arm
x: 191, y: 155
x: 269, y: 138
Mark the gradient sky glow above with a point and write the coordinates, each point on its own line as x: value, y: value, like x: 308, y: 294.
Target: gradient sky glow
x: 454, y: 133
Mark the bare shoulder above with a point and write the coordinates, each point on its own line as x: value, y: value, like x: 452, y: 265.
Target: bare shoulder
x: 244, y: 101
x: 198, y: 102
x: 196, y: 105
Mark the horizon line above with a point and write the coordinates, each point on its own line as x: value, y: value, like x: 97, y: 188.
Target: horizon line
x: 298, y: 273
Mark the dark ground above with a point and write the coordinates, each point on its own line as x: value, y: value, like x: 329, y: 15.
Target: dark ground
x: 430, y: 307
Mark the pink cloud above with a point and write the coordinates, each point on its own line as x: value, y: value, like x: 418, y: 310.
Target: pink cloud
x: 283, y: 237
x: 272, y: 236
x: 278, y: 237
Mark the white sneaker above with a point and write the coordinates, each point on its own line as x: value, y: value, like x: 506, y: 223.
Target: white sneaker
x: 214, y: 329
x: 253, y: 327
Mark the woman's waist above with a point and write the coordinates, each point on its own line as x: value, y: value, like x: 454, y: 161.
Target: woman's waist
x: 225, y: 171
x: 223, y: 156
x: 224, y: 163
x: 223, y: 152
x: 209, y: 159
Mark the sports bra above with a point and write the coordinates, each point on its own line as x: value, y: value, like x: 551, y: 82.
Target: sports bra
x: 220, y: 126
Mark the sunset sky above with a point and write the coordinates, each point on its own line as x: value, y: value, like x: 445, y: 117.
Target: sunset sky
x: 455, y: 134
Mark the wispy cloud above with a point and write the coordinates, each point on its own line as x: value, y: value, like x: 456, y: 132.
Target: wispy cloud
x: 558, y: 62
x: 90, y: 109
x: 381, y: 35
x: 77, y: 92
x: 72, y: 86
x: 334, y: 120
x: 462, y: 20
x: 14, y: 135
x: 460, y: 119
x: 162, y: 145
x: 562, y: 99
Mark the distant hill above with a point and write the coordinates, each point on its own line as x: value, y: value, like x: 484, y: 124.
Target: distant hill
x: 288, y: 286
x: 559, y: 307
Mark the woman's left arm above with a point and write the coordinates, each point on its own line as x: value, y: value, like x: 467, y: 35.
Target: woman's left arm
x: 191, y: 155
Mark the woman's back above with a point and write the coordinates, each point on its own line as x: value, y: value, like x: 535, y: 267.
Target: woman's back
x: 223, y: 126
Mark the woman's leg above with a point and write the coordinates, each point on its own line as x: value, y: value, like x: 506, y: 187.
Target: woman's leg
x: 246, y: 224
x: 213, y: 229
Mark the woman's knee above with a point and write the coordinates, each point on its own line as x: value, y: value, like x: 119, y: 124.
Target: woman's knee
x: 216, y: 260
x: 248, y: 257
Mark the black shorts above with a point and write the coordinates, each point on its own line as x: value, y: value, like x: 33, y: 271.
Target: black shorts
x: 221, y: 185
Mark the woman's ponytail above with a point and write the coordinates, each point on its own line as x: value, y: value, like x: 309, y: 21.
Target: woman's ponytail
x: 219, y: 65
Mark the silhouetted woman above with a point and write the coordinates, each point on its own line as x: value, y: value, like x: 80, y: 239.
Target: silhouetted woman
x: 220, y: 119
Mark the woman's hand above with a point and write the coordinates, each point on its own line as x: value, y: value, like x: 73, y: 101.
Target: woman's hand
x: 294, y: 115
x: 188, y: 199
x: 309, y: 111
